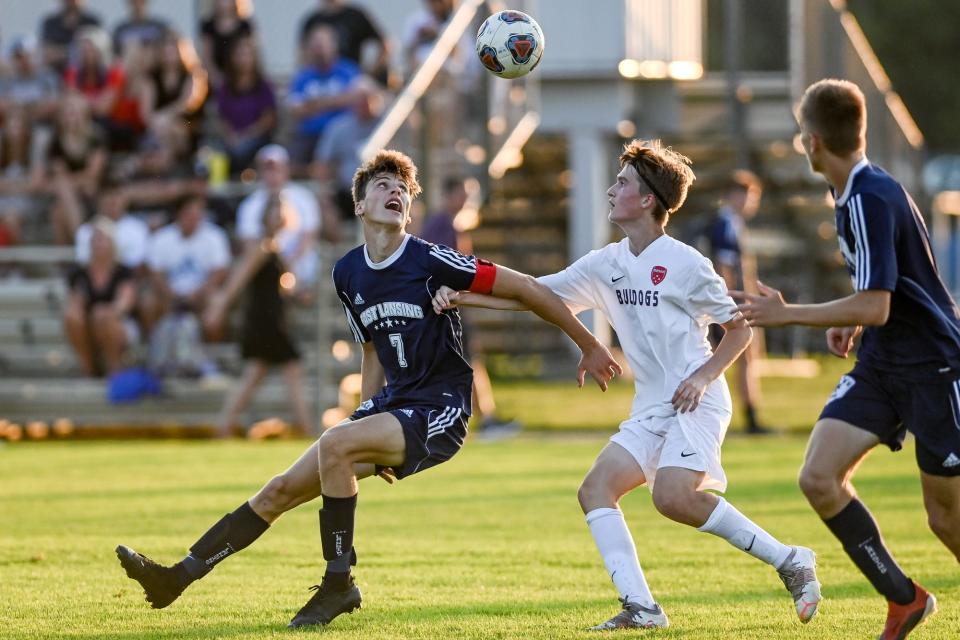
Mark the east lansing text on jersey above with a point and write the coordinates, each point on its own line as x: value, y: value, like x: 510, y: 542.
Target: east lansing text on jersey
x: 390, y: 310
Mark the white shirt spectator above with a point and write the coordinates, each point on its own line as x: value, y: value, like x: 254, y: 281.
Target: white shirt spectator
x: 303, y: 220
x: 188, y: 262
x: 131, y: 236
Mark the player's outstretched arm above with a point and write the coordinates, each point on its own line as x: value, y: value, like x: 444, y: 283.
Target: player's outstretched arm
x: 870, y: 307
x: 596, y: 358
x: 736, y: 337
x: 447, y: 298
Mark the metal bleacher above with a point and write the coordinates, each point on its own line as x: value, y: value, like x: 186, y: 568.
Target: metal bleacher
x: 40, y: 379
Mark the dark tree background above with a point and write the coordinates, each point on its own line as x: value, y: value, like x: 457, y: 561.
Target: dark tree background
x: 918, y: 44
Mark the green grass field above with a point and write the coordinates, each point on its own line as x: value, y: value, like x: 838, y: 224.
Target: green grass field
x: 789, y: 404
x: 490, y: 545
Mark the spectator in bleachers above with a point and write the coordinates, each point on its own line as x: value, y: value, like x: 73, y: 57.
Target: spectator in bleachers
x: 124, y: 125
x: 188, y: 261
x: 421, y: 33
x: 139, y: 28
x: 97, y: 316
x: 297, y: 240
x: 92, y: 73
x: 174, y: 94
x: 229, y: 22
x: 157, y: 180
x: 32, y: 89
x: 77, y: 158
x: 337, y: 155
x: 21, y: 175
x: 130, y: 234
x: 451, y: 94
x: 360, y: 40
x: 110, y: 86
x: 266, y: 340
x: 57, y: 32
x: 320, y: 91
x: 246, y: 106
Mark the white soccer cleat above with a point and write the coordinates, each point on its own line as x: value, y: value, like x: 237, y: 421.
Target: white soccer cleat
x: 799, y: 575
x: 635, y: 616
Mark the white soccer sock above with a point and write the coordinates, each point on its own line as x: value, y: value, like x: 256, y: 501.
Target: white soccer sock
x: 734, y: 527
x: 619, y: 555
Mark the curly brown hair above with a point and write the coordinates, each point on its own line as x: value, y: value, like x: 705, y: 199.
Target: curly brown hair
x: 665, y: 173
x: 386, y: 161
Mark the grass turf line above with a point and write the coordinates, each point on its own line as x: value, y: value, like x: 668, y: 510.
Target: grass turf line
x: 490, y: 545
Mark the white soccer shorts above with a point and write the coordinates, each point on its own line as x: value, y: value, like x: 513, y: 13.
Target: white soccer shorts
x: 686, y: 440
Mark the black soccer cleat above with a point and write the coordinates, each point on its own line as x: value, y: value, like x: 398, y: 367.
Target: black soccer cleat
x: 326, y: 604
x: 160, y: 584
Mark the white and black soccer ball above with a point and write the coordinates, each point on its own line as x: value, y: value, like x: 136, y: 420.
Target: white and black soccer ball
x: 510, y: 44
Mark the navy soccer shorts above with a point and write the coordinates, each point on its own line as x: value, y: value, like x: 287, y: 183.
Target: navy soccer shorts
x: 432, y: 434
x: 889, y: 404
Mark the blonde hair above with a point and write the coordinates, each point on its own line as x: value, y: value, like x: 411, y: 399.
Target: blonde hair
x: 663, y: 171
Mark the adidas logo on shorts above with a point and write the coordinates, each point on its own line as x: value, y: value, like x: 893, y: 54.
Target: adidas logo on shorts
x: 358, y: 299
x: 951, y: 461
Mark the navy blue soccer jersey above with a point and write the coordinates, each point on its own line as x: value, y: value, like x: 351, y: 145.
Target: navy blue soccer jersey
x: 886, y: 246
x: 390, y: 303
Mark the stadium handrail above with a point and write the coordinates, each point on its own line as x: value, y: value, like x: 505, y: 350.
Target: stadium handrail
x: 418, y: 84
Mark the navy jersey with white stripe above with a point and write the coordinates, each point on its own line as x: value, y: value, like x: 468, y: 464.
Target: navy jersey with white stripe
x: 390, y: 303
x: 886, y: 246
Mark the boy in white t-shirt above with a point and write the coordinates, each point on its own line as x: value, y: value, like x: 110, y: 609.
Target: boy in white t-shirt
x: 661, y: 295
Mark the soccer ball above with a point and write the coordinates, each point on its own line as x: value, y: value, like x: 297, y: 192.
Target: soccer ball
x: 510, y: 44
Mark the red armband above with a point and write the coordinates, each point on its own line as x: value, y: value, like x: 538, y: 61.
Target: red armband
x: 486, y: 275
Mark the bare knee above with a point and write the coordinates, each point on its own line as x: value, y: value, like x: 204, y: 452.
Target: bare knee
x: 672, y: 502
x: 75, y: 316
x: 334, y: 448
x: 818, y: 485
x: 595, y: 493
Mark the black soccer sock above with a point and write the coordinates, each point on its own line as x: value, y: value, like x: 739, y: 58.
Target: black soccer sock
x: 232, y: 533
x: 336, y: 533
x: 858, y: 532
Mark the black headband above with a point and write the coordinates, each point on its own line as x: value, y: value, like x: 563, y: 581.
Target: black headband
x: 653, y: 190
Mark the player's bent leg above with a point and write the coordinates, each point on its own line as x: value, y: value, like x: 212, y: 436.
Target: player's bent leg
x: 234, y: 532
x: 614, y: 473
x: 834, y: 451
x: 374, y: 440
x: 675, y: 495
x: 941, y: 498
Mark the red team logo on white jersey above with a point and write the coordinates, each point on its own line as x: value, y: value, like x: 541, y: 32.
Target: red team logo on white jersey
x: 657, y: 274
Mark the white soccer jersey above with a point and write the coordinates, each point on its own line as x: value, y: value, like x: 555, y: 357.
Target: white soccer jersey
x: 660, y: 303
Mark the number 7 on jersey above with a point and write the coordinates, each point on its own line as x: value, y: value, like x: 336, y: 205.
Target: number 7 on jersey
x: 396, y: 340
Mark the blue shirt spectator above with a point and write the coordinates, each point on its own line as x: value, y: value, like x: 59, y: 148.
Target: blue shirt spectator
x: 321, y: 91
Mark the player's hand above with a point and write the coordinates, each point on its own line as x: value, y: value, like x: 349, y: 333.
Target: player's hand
x: 688, y: 395
x: 600, y: 364
x: 764, y: 309
x: 388, y: 475
x: 840, y: 340
x: 445, y: 298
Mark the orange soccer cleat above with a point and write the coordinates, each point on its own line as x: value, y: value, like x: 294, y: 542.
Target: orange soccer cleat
x: 904, y: 618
